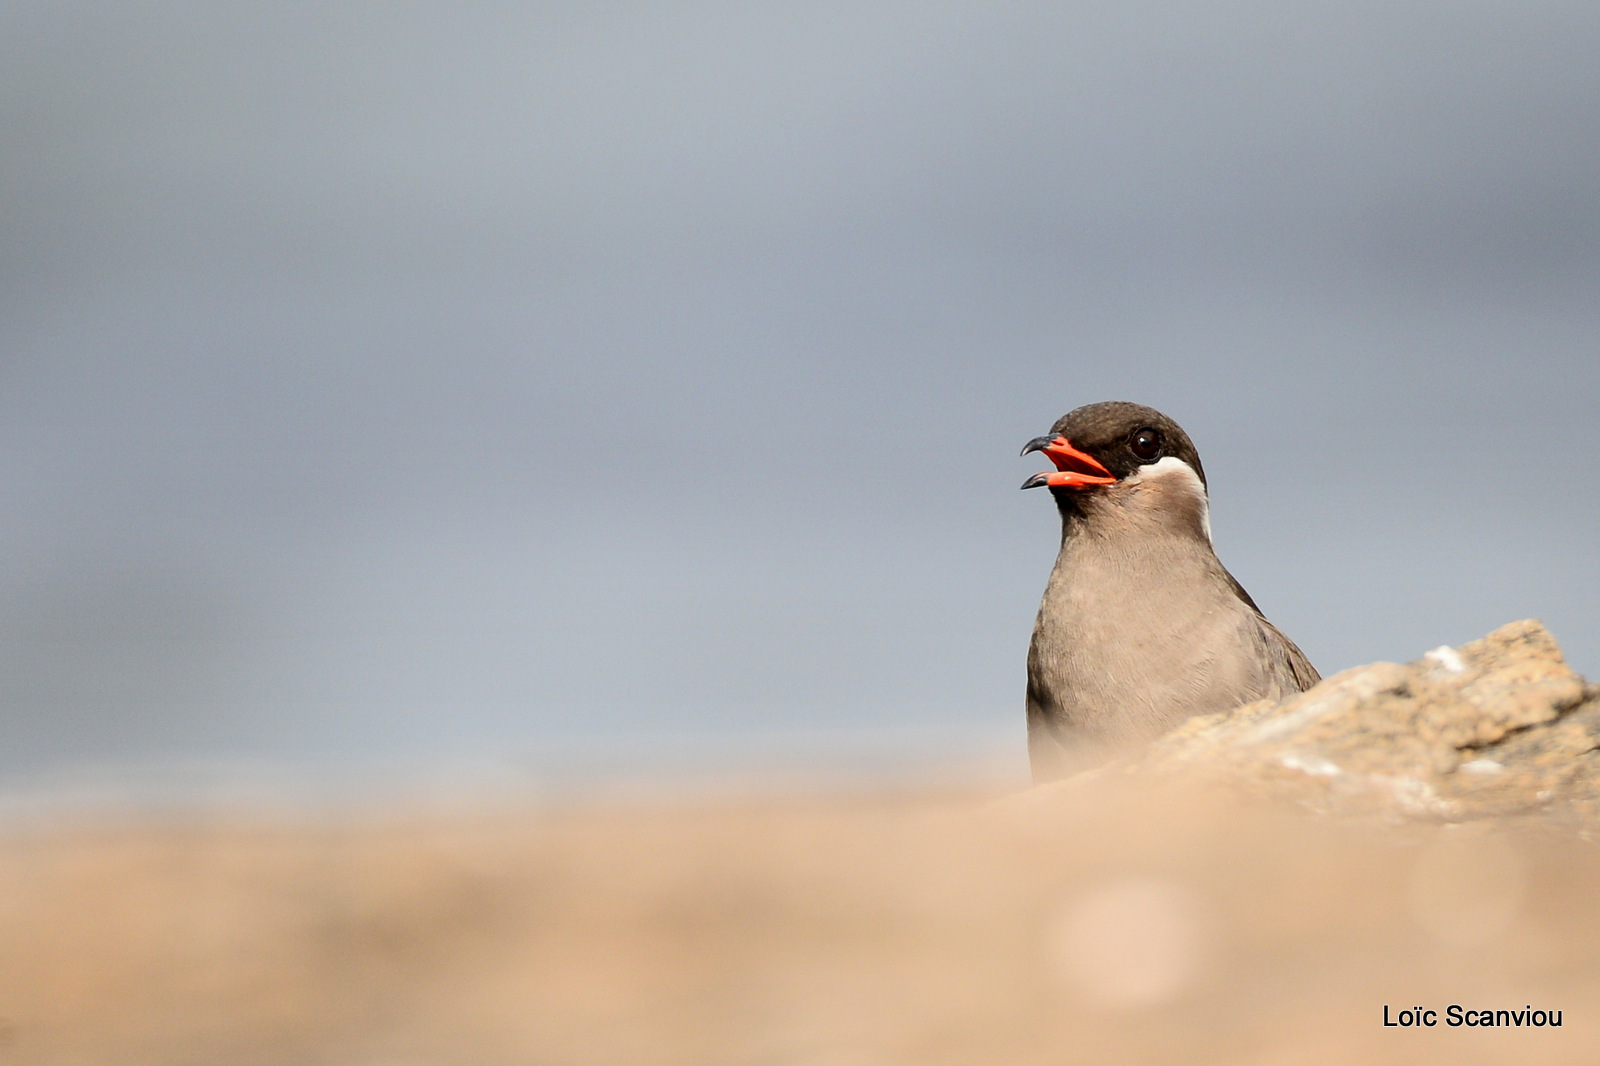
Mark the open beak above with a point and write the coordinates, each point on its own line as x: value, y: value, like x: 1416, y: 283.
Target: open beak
x: 1074, y: 469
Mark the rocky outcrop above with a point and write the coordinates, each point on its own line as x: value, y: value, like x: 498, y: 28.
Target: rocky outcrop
x: 1500, y: 726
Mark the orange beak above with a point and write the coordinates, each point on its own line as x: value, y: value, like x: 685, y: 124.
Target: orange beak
x: 1074, y: 469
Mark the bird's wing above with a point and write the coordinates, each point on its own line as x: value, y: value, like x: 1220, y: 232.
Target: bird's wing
x: 1305, y: 675
x: 1238, y: 590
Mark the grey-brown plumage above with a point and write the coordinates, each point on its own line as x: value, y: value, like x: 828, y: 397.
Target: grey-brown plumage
x: 1141, y: 625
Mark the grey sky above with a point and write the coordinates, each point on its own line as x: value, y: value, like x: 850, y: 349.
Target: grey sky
x: 384, y: 379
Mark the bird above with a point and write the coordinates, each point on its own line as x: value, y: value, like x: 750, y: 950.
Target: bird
x: 1141, y: 626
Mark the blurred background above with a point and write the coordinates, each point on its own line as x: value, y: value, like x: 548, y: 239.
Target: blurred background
x: 541, y: 389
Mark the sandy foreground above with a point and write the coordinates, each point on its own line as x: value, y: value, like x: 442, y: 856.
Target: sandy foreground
x: 911, y: 926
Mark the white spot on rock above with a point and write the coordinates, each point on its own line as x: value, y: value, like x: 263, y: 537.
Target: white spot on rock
x: 1447, y: 657
x: 1310, y: 764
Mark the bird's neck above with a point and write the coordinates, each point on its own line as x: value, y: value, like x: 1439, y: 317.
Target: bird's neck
x: 1169, y: 502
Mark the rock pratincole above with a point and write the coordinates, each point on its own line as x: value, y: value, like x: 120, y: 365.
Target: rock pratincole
x: 1141, y: 625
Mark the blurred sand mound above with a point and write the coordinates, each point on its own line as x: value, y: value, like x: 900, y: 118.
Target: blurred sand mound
x: 1134, y: 915
x: 1499, y: 726
x: 1123, y: 927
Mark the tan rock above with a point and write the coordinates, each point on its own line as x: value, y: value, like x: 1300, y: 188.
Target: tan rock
x: 1500, y: 726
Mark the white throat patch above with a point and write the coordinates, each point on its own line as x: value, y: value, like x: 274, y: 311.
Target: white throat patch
x: 1173, y: 467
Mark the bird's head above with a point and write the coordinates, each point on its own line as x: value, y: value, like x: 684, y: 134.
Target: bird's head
x: 1106, y: 446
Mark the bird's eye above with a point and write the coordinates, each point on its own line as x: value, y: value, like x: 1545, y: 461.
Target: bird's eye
x: 1146, y: 444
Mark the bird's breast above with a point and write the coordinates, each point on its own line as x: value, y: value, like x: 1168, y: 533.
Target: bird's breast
x: 1133, y: 638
